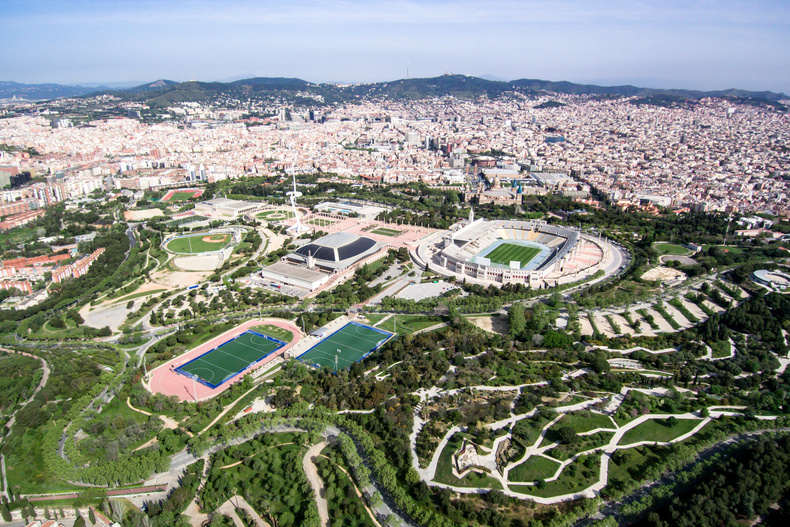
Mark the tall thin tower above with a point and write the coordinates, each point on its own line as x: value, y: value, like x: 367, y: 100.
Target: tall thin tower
x: 296, y: 228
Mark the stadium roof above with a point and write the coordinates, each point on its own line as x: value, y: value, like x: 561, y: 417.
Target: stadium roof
x: 336, y: 251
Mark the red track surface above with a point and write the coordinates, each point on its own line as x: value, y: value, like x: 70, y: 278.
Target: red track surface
x: 168, y: 382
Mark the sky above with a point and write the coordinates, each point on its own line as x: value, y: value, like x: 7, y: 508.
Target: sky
x: 705, y: 44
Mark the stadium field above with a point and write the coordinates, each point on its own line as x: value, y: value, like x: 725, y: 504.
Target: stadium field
x: 230, y: 358
x: 198, y: 243
x: 275, y: 215
x: 510, y: 252
x: 349, y: 344
x: 384, y: 231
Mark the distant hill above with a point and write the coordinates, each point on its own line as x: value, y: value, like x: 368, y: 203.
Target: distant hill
x: 37, y: 92
x: 164, y: 92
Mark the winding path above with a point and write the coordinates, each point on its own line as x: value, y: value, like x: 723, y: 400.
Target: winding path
x: 315, y: 481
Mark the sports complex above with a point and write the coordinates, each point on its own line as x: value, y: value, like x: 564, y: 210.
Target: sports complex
x: 500, y: 252
x: 211, y: 368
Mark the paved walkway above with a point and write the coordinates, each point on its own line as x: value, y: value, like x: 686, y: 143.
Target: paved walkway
x: 230, y: 507
x: 315, y: 481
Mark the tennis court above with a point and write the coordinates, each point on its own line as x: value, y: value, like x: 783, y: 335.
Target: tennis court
x: 230, y: 358
x: 349, y: 344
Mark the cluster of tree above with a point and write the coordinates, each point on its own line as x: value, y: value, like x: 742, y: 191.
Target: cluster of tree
x: 742, y: 488
x: 270, y: 478
x: 19, y: 376
x: 345, y: 507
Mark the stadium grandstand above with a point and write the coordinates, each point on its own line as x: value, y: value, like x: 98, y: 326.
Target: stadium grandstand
x: 511, y: 251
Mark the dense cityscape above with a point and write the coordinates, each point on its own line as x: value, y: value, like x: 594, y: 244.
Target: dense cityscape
x: 431, y: 264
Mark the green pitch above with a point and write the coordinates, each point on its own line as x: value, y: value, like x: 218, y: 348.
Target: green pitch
x: 510, y: 252
x: 321, y: 222
x: 348, y: 345
x: 275, y: 215
x: 182, y: 196
x: 230, y: 358
x: 198, y: 243
x: 384, y: 231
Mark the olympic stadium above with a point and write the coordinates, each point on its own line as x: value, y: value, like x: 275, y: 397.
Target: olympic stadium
x: 533, y: 253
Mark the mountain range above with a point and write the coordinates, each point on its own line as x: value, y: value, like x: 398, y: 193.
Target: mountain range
x: 165, y: 92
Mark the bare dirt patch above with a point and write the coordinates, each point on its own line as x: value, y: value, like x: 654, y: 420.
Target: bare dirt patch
x: 491, y: 324
x: 663, y: 274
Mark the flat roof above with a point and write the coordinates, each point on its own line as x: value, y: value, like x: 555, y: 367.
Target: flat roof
x: 295, y: 271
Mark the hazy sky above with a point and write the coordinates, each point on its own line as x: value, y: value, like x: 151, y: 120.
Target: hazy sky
x: 656, y: 43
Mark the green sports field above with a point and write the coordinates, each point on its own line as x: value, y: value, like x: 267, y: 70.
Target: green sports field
x: 275, y: 215
x: 349, y: 344
x: 384, y: 231
x: 196, y: 244
x: 230, y: 358
x: 510, y: 252
x: 321, y: 222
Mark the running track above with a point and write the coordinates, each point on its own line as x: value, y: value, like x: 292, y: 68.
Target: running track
x: 168, y: 382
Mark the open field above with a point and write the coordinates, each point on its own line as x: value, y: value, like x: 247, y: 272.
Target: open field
x: 535, y: 468
x: 670, y: 248
x: 510, y: 252
x: 384, y: 231
x: 344, y: 347
x: 198, y: 243
x: 658, y: 430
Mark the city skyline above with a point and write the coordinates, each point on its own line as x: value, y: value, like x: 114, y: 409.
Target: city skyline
x: 699, y: 45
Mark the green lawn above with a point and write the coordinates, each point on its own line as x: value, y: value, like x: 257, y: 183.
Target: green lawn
x: 658, y: 430
x: 583, y: 421
x: 195, y: 243
x: 409, y: 323
x: 670, y: 248
x: 384, y: 231
x: 575, y: 477
x: 275, y: 215
x: 321, y: 222
x: 721, y: 349
x: 533, y: 469
x: 274, y: 331
x: 582, y: 444
x: 444, y: 472
x: 511, y: 252
x: 373, y: 318
x: 630, y: 464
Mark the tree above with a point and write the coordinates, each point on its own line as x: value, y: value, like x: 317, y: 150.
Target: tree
x: 5, y: 512
x: 92, y: 516
x: 566, y: 435
x: 79, y: 522
x: 516, y: 321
